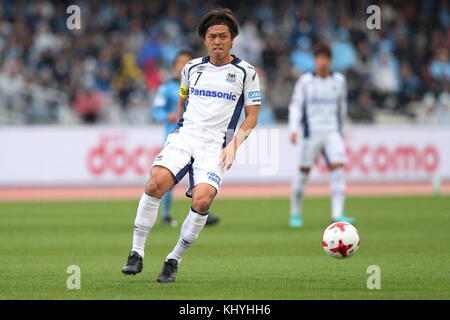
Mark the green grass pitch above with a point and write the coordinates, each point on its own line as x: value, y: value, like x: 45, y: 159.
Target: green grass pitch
x: 251, y: 254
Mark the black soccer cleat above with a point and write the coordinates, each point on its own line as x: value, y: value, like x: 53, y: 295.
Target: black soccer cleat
x: 134, y: 264
x: 211, y: 220
x: 169, y: 271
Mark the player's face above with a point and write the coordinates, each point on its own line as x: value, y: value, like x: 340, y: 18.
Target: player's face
x: 218, y: 41
x: 322, y: 62
x: 181, y: 61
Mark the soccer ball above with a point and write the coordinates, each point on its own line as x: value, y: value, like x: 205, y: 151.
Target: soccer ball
x: 340, y: 240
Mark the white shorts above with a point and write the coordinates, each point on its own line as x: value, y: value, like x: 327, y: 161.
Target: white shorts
x: 184, y: 153
x: 328, y: 143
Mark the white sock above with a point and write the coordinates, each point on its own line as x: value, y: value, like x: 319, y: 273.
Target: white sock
x: 190, y: 230
x: 145, y: 219
x: 298, y: 186
x: 337, y: 184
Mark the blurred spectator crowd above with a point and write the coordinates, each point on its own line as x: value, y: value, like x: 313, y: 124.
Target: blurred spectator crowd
x: 109, y: 70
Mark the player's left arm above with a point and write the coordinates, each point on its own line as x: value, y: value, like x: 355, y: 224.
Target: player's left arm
x: 249, y: 123
x: 252, y: 102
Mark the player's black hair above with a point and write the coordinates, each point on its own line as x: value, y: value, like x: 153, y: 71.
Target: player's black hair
x: 184, y: 51
x: 213, y: 17
x: 322, y: 49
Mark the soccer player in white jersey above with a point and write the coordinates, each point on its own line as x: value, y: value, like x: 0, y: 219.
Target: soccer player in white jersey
x: 214, y: 89
x: 318, y: 106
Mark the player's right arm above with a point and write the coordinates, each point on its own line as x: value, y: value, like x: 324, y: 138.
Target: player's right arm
x: 252, y: 102
x: 295, y: 106
x: 181, y: 101
x: 184, y: 90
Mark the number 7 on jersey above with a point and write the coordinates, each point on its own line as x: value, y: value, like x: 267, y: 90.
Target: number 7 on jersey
x: 199, y: 74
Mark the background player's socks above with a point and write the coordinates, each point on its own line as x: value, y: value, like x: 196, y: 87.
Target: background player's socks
x: 337, y: 184
x: 192, y: 225
x: 145, y: 219
x: 298, y: 186
x: 166, y: 202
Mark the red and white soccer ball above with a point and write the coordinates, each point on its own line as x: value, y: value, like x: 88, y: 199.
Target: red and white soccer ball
x: 340, y: 240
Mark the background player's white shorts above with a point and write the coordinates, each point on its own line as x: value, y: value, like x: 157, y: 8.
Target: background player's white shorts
x: 184, y: 153
x: 328, y: 143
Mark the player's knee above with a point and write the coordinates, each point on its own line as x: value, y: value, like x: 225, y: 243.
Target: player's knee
x: 202, y: 203
x: 305, y: 170
x: 334, y: 166
x: 153, y: 189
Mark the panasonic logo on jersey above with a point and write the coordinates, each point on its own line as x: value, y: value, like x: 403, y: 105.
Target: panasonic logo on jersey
x: 213, y: 94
